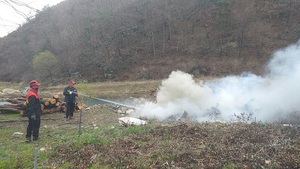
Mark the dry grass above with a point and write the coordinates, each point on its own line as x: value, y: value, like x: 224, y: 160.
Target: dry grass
x: 4, y: 85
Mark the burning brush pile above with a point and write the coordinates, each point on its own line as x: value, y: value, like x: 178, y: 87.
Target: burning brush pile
x: 268, y: 97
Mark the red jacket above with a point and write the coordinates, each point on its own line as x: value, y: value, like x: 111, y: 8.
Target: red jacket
x: 32, y: 92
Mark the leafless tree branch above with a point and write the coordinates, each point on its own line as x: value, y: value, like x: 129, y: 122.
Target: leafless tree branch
x: 15, y: 4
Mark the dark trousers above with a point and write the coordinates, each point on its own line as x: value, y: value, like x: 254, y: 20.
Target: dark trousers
x: 70, y: 109
x: 33, y: 128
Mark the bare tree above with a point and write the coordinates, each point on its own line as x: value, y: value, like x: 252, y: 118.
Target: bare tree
x: 16, y: 5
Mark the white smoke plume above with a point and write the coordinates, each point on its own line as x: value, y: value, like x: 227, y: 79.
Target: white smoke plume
x: 264, y: 98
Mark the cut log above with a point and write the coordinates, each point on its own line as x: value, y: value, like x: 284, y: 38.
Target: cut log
x: 21, y: 99
x: 15, y: 106
x: 79, y: 106
x: 7, y: 109
x: 52, y: 101
x: 55, y: 96
x: 14, y: 101
x: 47, y: 103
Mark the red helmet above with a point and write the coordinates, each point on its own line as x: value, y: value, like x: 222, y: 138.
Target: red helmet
x: 34, y: 83
x: 72, y: 82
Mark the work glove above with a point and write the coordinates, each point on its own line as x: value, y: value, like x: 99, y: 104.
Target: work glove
x: 70, y: 92
x: 33, y: 117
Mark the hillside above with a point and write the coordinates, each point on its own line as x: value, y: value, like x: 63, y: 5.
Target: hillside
x: 99, y: 40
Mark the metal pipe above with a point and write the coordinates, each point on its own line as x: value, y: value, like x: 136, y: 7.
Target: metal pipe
x: 80, y: 117
x: 35, y: 158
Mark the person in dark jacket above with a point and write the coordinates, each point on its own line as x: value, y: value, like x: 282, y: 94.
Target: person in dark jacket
x: 33, y: 111
x: 70, y: 94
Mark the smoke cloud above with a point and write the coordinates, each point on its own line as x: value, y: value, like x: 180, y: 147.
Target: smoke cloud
x: 266, y: 98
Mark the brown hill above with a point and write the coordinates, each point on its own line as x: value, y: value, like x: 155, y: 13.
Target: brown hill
x: 97, y: 40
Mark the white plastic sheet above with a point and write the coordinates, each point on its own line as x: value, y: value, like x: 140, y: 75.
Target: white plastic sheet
x: 129, y: 121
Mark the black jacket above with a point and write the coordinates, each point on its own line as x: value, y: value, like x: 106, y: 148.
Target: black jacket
x: 71, y: 98
x: 33, y: 107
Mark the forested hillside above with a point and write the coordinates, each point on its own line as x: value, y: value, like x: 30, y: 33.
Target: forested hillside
x: 98, y: 40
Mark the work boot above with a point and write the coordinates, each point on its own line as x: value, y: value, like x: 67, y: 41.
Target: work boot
x: 28, y: 140
x: 35, y: 138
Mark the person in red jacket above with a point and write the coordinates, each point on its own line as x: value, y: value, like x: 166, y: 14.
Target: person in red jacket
x: 33, y: 111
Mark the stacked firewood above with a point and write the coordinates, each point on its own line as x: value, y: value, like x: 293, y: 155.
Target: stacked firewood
x: 49, y: 105
x: 54, y: 104
x: 13, y: 105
